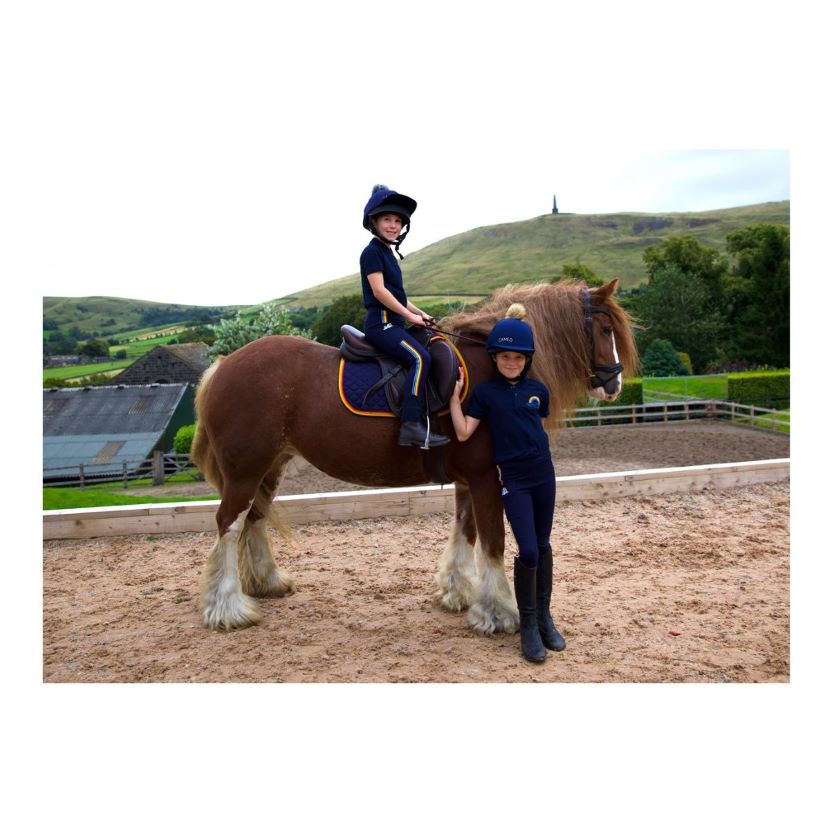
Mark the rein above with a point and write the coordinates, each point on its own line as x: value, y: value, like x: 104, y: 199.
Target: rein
x: 477, y: 340
x: 601, y: 373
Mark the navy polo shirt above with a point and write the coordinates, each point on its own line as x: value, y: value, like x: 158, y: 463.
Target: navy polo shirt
x: 514, y: 413
x: 377, y: 257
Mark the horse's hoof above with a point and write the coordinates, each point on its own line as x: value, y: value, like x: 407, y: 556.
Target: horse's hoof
x: 451, y: 600
x: 279, y: 584
x: 490, y: 619
x: 240, y: 612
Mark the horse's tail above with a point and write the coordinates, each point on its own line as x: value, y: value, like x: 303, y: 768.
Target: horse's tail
x: 201, y: 452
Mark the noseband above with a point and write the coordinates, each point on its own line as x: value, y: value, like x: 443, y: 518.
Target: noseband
x: 602, y: 374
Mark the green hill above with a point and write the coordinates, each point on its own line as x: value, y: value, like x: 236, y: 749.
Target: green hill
x: 108, y: 316
x: 476, y: 262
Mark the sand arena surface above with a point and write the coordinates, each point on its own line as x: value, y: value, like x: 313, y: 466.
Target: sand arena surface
x: 679, y: 588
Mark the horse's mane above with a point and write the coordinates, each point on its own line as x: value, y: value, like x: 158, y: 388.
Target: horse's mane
x: 554, y: 312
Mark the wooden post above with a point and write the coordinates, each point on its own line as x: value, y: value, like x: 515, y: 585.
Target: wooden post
x: 158, y: 468
x: 81, y: 468
x: 124, y: 468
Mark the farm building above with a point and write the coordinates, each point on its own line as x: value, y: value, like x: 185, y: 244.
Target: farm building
x: 178, y: 363
x: 102, y: 427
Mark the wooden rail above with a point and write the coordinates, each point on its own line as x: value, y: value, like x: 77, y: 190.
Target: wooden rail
x: 402, y: 501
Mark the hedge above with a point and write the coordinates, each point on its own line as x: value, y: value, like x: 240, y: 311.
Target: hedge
x: 767, y: 389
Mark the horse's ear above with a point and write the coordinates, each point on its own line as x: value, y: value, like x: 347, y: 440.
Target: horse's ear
x: 607, y: 290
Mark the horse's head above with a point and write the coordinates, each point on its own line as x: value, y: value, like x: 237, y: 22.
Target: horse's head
x: 600, y: 313
x: 583, y: 337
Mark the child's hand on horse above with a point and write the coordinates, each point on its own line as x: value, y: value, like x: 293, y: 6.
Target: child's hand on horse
x: 459, y: 384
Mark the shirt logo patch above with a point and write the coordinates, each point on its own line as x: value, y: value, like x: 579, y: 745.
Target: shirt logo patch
x: 534, y: 402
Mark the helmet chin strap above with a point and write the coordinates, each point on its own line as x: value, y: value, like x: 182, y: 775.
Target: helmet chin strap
x: 396, y: 243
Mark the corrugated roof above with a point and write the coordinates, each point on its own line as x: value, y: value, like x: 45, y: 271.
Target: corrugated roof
x: 99, y: 410
x: 103, y: 426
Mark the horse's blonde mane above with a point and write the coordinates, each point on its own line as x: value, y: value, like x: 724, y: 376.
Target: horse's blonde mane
x: 554, y: 312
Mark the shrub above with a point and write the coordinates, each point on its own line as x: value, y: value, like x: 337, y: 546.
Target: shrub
x: 661, y: 360
x: 184, y: 438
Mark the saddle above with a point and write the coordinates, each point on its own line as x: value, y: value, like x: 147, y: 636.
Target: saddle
x: 443, y: 373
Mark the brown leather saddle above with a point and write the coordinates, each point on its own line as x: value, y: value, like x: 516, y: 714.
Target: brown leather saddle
x: 443, y: 371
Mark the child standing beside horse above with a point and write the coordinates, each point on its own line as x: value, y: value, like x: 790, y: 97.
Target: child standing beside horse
x: 387, y: 217
x: 513, y: 405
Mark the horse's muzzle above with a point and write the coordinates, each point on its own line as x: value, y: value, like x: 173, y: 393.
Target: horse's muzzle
x: 607, y: 377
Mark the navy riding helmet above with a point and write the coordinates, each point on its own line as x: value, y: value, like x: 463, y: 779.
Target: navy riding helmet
x: 512, y: 335
x: 384, y: 200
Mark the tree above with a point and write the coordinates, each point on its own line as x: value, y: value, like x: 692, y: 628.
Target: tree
x: 233, y: 333
x: 578, y: 271
x: 759, y: 293
x: 58, y: 343
x: 677, y: 306
x: 690, y: 257
x: 661, y: 360
x: 683, y: 300
x: 198, y: 334
x: 346, y: 310
x: 303, y: 318
x: 94, y: 348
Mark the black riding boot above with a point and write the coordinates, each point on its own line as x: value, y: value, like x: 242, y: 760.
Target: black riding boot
x: 544, y: 587
x: 415, y: 434
x: 524, y: 582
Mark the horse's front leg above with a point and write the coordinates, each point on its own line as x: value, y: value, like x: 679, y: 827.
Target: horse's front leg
x: 456, y: 577
x: 495, y: 607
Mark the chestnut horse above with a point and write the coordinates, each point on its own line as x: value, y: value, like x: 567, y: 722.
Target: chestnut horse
x: 278, y: 397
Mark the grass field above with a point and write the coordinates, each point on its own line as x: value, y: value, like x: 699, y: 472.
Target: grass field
x: 706, y: 387
x: 63, y: 498
x: 138, y: 348
x: 84, y: 370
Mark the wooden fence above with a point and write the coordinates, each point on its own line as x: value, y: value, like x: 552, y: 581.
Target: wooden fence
x: 157, y: 467
x: 85, y: 523
x: 162, y: 465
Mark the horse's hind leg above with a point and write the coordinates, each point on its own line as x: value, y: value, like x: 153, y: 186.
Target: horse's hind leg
x: 223, y: 603
x: 258, y: 572
x: 456, y: 577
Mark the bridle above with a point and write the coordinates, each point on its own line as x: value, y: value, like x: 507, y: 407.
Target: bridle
x: 602, y: 374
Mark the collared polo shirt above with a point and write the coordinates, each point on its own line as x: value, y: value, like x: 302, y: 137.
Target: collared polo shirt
x: 378, y: 258
x: 514, y: 413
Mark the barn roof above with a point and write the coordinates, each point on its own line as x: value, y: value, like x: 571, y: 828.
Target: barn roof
x: 103, y: 426
x: 176, y: 363
x: 193, y: 354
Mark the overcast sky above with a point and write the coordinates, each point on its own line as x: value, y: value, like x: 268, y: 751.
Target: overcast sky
x: 192, y: 154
